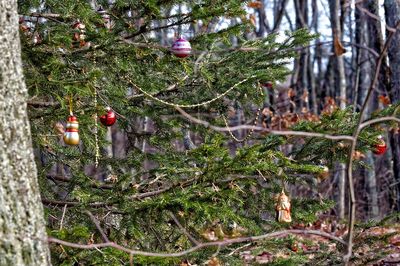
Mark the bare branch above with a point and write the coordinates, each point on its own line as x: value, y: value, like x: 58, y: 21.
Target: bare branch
x: 199, y: 246
x: 261, y: 129
x: 97, y: 224
x: 184, y: 231
x: 379, y: 120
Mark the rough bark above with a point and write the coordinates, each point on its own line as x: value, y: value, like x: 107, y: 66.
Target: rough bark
x: 22, y: 229
x: 392, y: 15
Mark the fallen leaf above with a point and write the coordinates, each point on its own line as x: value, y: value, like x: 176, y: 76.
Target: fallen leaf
x: 264, y: 258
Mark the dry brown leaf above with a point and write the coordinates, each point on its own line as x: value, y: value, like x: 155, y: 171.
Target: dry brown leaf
x: 384, y: 99
x: 209, y: 235
x: 264, y: 258
x: 395, y: 240
x: 338, y: 46
x: 291, y: 93
x: 357, y: 155
x: 255, y: 4
x: 252, y: 19
x: 214, y: 262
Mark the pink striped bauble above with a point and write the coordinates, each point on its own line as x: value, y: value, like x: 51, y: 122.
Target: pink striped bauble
x: 181, y: 48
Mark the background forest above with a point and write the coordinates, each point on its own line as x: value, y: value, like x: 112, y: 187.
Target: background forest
x: 282, y: 97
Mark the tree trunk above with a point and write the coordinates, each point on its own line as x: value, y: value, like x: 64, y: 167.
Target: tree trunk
x: 301, y: 77
x: 340, y: 81
x: 22, y: 230
x: 392, y: 14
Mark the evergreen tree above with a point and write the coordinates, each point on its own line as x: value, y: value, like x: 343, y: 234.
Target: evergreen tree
x: 122, y: 59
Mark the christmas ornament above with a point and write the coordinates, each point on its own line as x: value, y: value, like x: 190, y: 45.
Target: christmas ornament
x: 282, y: 208
x: 324, y: 173
x: 181, y: 48
x: 71, y: 135
x: 79, y: 34
x: 380, y: 147
x: 36, y: 39
x: 109, y: 118
x: 105, y: 16
x: 22, y: 26
x: 267, y: 85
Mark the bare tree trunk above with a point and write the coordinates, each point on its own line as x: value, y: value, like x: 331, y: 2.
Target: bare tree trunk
x: 375, y: 38
x: 22, y: 227
x: 392, y: 14
x: 279, y: 13
x: 341, y: 84
x: 301, y: 76
x: 263, y: 22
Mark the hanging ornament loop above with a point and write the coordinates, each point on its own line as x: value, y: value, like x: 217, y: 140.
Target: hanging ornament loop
x: 70, y: 106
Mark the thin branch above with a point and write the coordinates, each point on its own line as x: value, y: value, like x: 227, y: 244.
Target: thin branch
x: 261, y: 129
x: 73, y: 203
x: 97, y: 224
x: 379, y: 120
x: 66, y: 179
x: 184, y: 231
x: 198, y: 247
x: 62, y: 217
x: 39, y: 104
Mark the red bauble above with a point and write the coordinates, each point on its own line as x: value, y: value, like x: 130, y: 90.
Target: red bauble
x: 109, y: 118
x: 267, y: 84
x: 381, y: 147
x: 181, y: 48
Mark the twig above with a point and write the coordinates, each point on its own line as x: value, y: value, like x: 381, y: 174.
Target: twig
x: 66, y: 179
x: 239, y: 248
x: 184, y: 231
x: 97, y: 224
x: 42, y: 104
x: 198, y: 247
x: 73, y: 203
x: 379, y: 120
x: 62, y: 217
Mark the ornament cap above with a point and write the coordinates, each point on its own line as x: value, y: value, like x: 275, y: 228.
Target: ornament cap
x: 100, y: 10
x: 72, y: 118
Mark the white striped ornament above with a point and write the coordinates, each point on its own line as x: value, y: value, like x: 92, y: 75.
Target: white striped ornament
x: 181, y: 48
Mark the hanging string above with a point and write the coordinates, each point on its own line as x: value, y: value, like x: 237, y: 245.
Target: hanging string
x: 189, y: 105
x: 70, y: 106
x: 96, y: 132
x: 254, y: 124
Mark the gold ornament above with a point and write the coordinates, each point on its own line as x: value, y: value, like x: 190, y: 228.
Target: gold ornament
x: 324, y: 173
x: 282, y: 208
x: 71, y: 135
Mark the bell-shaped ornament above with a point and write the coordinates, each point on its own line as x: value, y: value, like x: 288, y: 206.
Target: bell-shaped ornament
x: 71, y: 134
x: 282, y: 208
